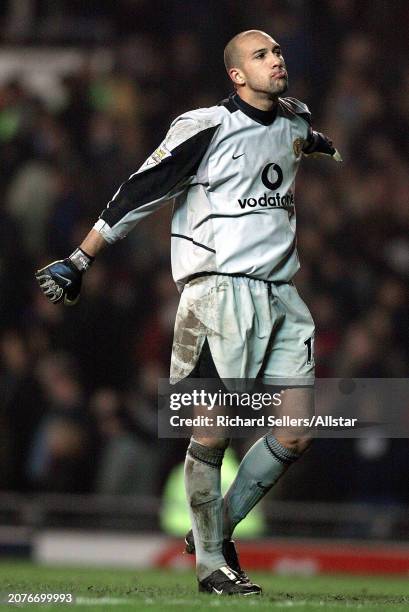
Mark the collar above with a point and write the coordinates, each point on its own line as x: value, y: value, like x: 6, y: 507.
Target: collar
x: 261, y: 116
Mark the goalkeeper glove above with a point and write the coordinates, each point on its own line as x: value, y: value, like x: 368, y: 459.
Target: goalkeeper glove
x: 318, y: 145
x: 61, y: 280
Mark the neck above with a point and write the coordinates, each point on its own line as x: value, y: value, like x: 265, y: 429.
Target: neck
x: 264, y: 102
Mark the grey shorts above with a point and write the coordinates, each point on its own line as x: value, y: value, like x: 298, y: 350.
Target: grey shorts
x: 254, y: 329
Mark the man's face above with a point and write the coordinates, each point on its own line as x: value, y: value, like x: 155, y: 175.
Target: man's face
x: 262, y: 65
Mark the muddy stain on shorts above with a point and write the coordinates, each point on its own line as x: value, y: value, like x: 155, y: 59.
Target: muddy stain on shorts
x: 196, y: 319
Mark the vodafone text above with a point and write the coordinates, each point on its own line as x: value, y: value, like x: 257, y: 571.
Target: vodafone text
x: 276, y: 201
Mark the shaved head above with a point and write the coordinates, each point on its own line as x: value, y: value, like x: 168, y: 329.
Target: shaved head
x: 234, y: 48
x: 255, y: 64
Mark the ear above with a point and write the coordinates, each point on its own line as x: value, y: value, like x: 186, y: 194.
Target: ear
x: 237, y: 76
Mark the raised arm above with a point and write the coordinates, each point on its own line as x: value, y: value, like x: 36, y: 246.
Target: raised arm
x: 163, y: 176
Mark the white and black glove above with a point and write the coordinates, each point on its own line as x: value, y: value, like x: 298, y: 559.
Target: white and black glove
x: 61, y: 280
x: 318, y: 145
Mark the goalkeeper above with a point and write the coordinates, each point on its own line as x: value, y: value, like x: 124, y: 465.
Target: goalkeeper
x: 230, y: 172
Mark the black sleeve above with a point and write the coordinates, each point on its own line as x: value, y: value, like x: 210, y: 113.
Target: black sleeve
x: 164, y: 174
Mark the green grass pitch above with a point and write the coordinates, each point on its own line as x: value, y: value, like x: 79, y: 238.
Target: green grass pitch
x: 166, y: 590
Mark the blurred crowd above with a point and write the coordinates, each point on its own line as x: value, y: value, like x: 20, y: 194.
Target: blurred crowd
x: 78, y: 385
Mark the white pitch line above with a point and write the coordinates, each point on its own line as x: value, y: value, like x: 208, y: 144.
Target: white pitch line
x: 117, y: 601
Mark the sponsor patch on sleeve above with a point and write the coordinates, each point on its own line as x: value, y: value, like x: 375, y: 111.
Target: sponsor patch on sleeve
x: 158, y: 155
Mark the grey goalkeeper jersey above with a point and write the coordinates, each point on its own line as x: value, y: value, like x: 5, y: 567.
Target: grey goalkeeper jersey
x: 230, y: 171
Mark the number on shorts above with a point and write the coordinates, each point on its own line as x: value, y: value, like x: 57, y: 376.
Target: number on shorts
x: 308, y: 344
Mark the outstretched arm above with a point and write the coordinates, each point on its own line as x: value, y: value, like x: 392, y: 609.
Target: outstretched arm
x: 164, y: 175
x: 93, y: 243
x: 318, y: 145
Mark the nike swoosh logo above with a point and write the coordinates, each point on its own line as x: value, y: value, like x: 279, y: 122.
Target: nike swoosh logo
x: 237, y: 156
x: 217, y: 591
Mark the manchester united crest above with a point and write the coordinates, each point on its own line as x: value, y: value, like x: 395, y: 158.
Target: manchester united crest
x: 298, y: 146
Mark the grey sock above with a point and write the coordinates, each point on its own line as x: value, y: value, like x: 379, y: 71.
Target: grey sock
x: 202, y: 482
x: 259, y: 470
